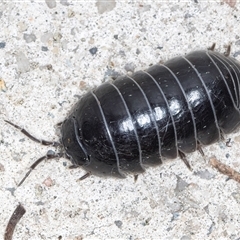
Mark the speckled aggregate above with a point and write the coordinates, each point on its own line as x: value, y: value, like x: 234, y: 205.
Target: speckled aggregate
x: 51, y: 53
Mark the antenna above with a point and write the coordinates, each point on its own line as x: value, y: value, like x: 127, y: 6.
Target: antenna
x: 50, y: 154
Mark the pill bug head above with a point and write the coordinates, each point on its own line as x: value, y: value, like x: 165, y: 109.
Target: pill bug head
x: 78, y: 145
x: 85, y: 141
x: 72, y: 143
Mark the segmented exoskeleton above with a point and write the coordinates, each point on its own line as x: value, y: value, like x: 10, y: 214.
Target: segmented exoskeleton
x: 159, y: 113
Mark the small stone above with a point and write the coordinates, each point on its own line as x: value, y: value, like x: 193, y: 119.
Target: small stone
x: 29, y: 37
x: 93, y: 50
x: 44, y: 49
x: 51, y: 3
x: 105, y: 6
x: 2, y: 44
x: 22, y: 62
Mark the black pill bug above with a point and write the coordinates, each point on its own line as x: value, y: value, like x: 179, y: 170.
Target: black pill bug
x: 160, y: 113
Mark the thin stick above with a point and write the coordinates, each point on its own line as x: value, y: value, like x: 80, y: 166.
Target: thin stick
x: 16, y: 216
x: 224, y: 169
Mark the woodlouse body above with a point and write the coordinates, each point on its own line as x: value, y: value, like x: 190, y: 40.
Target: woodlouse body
x: 166, y: 110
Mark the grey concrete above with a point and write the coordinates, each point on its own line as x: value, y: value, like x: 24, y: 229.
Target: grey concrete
x: 48, y: 59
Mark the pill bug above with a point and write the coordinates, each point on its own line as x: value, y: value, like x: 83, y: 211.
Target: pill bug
x: 166, y: 111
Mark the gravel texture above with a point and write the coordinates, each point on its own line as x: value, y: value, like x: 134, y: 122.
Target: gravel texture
x: 51, y: 53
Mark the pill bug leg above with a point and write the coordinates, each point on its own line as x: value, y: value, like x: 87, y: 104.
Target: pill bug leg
x: 59, y: 124
x: 212, y: 47
x: 135, y: 177
x: 226, y: 54
x: 184, y: 159
x: 222, y: 138
x: 228, y: 51
x: 73, y: 166
x: 199, y: 148
x: 86, y: 175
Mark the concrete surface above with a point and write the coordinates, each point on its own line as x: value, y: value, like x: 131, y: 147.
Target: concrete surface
x: 52, y: 53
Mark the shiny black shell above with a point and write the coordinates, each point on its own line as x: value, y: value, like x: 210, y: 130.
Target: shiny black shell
x: 140, y: 120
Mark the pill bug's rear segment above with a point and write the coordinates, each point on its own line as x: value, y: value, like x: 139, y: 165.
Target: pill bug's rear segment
x: 166, y: 110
